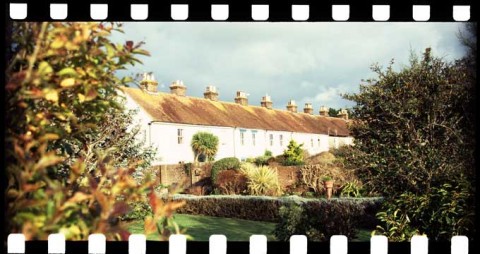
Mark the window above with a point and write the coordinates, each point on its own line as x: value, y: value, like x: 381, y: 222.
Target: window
x: 242, y: 138
x: 311, y: 142
x: 253, y: 138
x: 180, y: 136
x: 271, y: 139
x: 318, y: 142
x: 281, y: 140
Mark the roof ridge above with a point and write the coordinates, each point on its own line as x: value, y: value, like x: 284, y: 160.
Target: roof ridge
x: 229, y: 102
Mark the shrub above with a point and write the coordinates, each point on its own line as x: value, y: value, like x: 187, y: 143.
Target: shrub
x: 293, y: 155
x: 438, y: 214
x: 268, y: 153
x: 351, y: 189
x: 265, y: 208
x: 138, y: 211
x: 262, y: 180
x: 231, y: 182
x: 319, y: 220
x: 262, y: 160
x: 66, y: 170
x: 312, y: 175
x: 224, y: 164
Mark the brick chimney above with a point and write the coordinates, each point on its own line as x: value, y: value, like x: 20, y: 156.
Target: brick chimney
x: 323, y: 111
x: 308, y: 109
x: 292, y: 106
x: 211, y: 93
x: 241, y: 98
x: 148, y: 83
x: 343, y: 114
x: 178, y: 88
x: 266, y: 102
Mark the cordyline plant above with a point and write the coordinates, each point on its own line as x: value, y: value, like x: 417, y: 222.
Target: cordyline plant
x: 60, y: 90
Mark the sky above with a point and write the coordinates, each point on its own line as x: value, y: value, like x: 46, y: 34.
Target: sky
x: 306, y: 62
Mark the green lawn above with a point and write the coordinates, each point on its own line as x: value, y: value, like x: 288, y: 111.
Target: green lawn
x: 200, y: 227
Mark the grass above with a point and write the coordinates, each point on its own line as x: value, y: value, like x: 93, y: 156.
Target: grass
x: 200, y: 227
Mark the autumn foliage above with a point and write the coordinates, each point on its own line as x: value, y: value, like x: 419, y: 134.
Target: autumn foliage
x: 61, y: 83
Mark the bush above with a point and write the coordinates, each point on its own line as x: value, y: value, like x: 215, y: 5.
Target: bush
x: 224, y: 164
x: 268, y: 153
x: 231, y: 182
x: 264, y: 208
x: 319, y: 220
x: 293, y: 155
x: 262, y: 160
x: 262, y: 180
x: 312, y: 175
x: 138, y: 211
x: 351, y: 189
x: 441, y: 214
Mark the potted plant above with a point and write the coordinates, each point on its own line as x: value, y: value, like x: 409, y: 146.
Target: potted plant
x: 328, y: 184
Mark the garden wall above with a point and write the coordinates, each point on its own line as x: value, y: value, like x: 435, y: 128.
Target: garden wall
x: 191, y: 176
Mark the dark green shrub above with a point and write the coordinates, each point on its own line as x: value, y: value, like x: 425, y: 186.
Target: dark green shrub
x: 262, y: 160
x: 224, y: 164
x: 268, y: 153
x: 320, y: 220
x: 438, y: 214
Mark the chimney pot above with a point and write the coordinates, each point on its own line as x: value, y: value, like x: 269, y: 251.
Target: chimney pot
x: 292, y: 106
x: 178, y: 88
x: 148, y: 83
x: 323, y: 111
x: 266, y: 102
x: 343, y: 114
x: 241, y: 98
x: 211, y: 93
x: 308, y: 109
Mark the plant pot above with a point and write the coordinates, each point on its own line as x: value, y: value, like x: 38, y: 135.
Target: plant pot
x: 329, y: 188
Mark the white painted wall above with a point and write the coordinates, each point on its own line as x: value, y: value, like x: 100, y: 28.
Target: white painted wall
x: 164, y: 137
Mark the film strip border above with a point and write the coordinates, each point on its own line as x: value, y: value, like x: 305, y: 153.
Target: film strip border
x: 247, y: 10
x: 177, y: 244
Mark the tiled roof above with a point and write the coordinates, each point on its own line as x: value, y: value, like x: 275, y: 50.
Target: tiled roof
x: 166, y: 107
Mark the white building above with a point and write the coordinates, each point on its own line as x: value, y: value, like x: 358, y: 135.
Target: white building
x: 169, y: 120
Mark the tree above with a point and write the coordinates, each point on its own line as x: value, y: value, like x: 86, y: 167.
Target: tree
x: 65, y: 170
x: 413, y: 145
x: 204, y: 144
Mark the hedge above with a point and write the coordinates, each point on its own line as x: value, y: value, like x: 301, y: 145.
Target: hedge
x: 266, y: 208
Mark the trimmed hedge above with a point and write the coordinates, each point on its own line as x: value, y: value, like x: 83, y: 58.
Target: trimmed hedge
x: 265, y: 208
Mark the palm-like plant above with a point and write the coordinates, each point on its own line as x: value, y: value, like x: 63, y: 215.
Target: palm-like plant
x: 204, y: 143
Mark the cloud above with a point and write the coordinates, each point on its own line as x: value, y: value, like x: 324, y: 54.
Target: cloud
x: 300, y: 61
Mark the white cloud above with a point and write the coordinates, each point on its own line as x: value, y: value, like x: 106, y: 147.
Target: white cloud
x: 301, y: 61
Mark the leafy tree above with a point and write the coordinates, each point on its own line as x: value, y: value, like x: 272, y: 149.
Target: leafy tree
x: 293, y: 154
x: 206, y: 144
x: 333, y: 112
x: 413, y: 139
x: 68, y: 153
